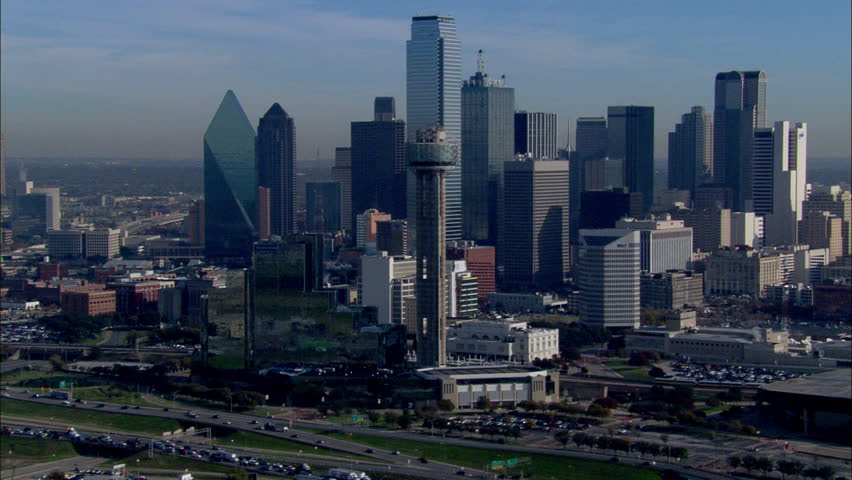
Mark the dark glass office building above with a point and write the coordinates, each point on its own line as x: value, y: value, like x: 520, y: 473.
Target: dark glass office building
x: 323, y: 207
x: 276, y: 163
x: 630, y: 130
x: 602, y: 208
x: 229, y: 184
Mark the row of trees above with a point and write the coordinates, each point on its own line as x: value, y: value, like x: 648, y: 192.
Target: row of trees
x: 617, y: 444
x: 792, y: 468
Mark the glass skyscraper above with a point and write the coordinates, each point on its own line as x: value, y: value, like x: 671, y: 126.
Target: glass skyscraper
x: 276, y: 163
x: 487, y: 143
x: 433, y: 96
x: 630, y: 130
x: 230, y: 190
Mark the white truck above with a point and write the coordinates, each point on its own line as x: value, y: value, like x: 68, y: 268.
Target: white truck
x: 346, y: 474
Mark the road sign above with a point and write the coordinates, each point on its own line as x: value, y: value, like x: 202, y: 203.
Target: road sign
x: 358, y: 417
x: 62, y: 384
x: 511, y: 462
x: 496, y: 465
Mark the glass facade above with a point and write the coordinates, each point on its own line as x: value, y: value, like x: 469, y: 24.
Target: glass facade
x: 223, y: 329
x: 276, y: 154
x: 229, y: 184
x: 433, y: 95
x: 631, y: 139
x: 323, y: 207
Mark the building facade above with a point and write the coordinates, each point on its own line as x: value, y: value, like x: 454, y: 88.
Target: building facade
x: 630, y: 132
x: 322, y: 213
x: 535, y: 134
x: 385, y: 283
x: 590, y: 147
x: 691, y: 151
x: 666, y: 244
x: 341, y: 173
x: 672, y: 289
x: 499, y: 340
x: 609, y: 264
x: 392, y: 237
x: 276, y: 164
x: 481, y: 261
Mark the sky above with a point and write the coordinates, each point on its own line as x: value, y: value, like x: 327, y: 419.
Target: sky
x: 136, y: 79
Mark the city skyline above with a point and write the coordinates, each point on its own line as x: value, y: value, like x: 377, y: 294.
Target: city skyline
x: 109, y: 86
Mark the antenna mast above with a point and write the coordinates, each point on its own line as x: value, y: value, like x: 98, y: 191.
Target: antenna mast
x: 480, y: 62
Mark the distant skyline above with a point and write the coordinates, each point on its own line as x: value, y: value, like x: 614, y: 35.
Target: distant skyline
x: 115, y: 79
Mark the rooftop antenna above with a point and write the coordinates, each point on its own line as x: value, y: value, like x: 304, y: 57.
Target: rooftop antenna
x: 318, y: 153
x: 480, y: 62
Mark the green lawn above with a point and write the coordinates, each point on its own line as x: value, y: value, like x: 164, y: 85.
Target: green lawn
x: 21, y: 375
x: 118, y: 421
x: 542, y: 466
x: 29, y: 451
x: 112, y: 394
x: 628, y: 371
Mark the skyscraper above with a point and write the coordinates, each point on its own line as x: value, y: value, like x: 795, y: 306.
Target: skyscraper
x: 487, y: 131
x: 535, y: 134
x: 740, y: 108
x: 378, y: 162
x: 789, y: 182
x: 609, y: 278
x: 433, y: 96
x: 341, y: 173
x: 691, y: 151
x: 630, y: 131
x: 276, y: 163
x: 229, y: 184
x: 591, y: 148
x: 2, y: 167
x: 536, y: 251
x: 322, y: 200
x: 432, y: 157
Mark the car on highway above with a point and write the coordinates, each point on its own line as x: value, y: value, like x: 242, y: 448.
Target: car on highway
x: 215, y: 416
x: 369, y: 450
x: 423, y: 460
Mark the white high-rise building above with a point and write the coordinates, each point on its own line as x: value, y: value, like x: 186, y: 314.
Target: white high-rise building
x: 385, y: 283
x: 788, y: 181
x: 462, y: 290
x: 746, y: 229
x: 666, y: 243
x: 535, y: 134
x: 609, y: 277
x: 433, y: 97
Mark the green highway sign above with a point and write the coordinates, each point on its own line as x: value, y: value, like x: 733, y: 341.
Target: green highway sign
x: 496, y: 464
x: 358, y: 417
x: 62, y: 384
x: 511, y: 462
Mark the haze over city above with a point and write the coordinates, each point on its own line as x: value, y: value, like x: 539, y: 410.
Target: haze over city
x: 93, y: 79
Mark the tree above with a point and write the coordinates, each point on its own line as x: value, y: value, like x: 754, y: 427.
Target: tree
x: 391, y: 417
x: 404, y: 421
x: 765, y: 465
x: 446, y: 405
x: 484, y: 403
x: 790, y: 467
x: 680, y: 453
x: 579, y: 439
x: 656, y: 372
x: 563, y: 437
x: 597, y: 410
x: 734, y: 462
x: 826, y: 472
x: 373, y: 416
x: 749, y: 463
x: 56, y: 475
x: 572, y: 354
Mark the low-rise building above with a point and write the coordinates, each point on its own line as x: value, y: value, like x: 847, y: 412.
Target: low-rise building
x: 741, y: 271
x: 504, y: 386
x: 672, y: 289
x: 501, y: 340
x: 523, y: 302
x: 87, y: 304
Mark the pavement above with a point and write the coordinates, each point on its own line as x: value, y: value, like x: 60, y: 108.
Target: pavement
x: 64, y: 465
x: 12, y: 365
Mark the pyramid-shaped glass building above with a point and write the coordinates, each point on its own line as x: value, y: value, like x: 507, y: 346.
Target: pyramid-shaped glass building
x: 230, y: 184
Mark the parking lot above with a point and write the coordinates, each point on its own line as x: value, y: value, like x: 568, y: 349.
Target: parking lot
x: 25, y: 332
x: 730, y: 374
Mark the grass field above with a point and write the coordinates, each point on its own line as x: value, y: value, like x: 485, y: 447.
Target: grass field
x: 541, y: 466
x: 29, y: 451
x: 628, y: 371
x: 21, y: 375
x: 112, y: 394
x: 118, y: 421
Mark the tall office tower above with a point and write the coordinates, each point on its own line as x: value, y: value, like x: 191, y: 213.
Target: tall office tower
x: 264, y: 213
x: 665, y: 243
x: 365, y: 227
x: 488, y: 108
x: 591, y: 150
x: 536, y: 252
x: 837, y: 202
x: 322, y: 200
x: 691, y: 151
x: 2, y: 166
x: 713, y: 195
x: 229, y: 184
x: 384, y: 109
x: 711, y: 227
x: 610, y: 292
x: 432, y: 158
x: 378, y: 163
x: 276, y: 167
x: 392, y: 237
x: 341, y: 173
x: 789, y: 180
x: 535, y: 134
x: 194, y: 225
x: 746, y: 229
x: 822, y: 230
x: 433, y: 96
x: 601, y: 209
x: 49, y: 199
x: 630, y: 132
x: 740, y: 108
x: 462, y: 290
x: 379, y: 275
x: 481, y: 261
x: 762, y: 180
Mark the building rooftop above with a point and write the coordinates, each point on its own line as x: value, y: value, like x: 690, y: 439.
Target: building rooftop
x: 497, y: 370
x: 833, y: 384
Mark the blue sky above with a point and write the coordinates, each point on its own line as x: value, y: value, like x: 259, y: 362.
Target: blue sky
x: 143, y: 79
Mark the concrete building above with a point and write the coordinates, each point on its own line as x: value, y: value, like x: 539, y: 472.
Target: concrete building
x: 672, y: 289
x: 504, y: 386
x: 264, y: 213
x: 837, y: 202
x: 630, y: 131
x: 102, y: 243
x: 691, y: 151
x: 52, y: 270
x: 535, y: 134
x: 505, y: 302
x: 590, y: 148
x: 711, y: 228
x: 385, y: 283
x: 665, y: 243
x: 88, y: 304
x: 194, y: 223
x: 799, y: 294
x: 322, y: 200
x: 822, y: 230
x: 366, y: 228
x: 431, y: 159
x: 482, y: 264
x: 136, y: 297
x: 77, y: 244
x: 601, y: 209
x: 746, y: 229
x: 462, y: 290
x: 488, y: 108
x: 503, y: 340
x: 433, y: 84
x: 712, y: 195
x: 52, y: 206
x: 392, y: 237
x: 789, y: 164
x: 536, y: 250
x: 742, y: 271
x: 609, y: 277
x: 341, y: 173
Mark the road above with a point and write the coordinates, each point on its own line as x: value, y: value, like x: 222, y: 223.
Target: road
x: 132, y: 227
x: 244, y: 422
x: 70, y: 347
x: 64, y: 465
x: 12, y: 365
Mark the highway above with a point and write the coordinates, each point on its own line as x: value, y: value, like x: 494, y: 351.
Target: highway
x: 245, y: 422
x: 70, y: 347
x: 132, y: 227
